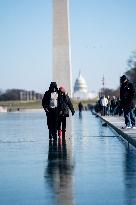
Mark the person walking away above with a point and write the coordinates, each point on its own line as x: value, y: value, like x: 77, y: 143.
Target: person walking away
x: 80, y: 108
x: 64, y: 104
x: 50, y: 105
x: 127, y: 97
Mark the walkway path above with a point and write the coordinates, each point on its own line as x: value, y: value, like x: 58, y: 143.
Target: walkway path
x: 117, y: 123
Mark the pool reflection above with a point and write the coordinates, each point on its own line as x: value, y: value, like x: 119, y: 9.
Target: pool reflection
x: 59, y: 172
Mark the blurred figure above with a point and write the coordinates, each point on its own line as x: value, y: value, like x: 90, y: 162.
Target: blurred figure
x: 108, y: 105
x: 119, y: 110
x: 113, y: 105
x: 104, y: 103
x: 50, y: 105
x: 80, y: 108
x: 126, y: 97
x: 98, y: 106
x: 64, y: 104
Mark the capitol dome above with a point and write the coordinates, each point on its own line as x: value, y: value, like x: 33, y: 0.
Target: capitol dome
x: 81, y: 89
x: 80, y: 84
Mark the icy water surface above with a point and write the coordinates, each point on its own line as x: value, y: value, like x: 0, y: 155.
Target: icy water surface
x: 93, y: 167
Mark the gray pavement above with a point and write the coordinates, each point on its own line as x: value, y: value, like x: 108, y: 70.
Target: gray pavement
x: 117, y: 123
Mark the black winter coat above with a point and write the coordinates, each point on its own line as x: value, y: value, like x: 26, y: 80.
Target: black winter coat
x: 64, y: 104
x: 46, y: 100
x: 127, y: 95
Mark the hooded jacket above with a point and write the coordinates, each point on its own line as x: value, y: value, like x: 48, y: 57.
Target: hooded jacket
x: 64, y: 104
x: 47, y: 95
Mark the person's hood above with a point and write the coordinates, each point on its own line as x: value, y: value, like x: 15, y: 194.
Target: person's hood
x: 53, y: 87
x: 123, y: 78
x: 62, y: 89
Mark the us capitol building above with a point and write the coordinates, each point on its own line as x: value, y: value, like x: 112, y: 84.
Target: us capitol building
x: 81, y: 90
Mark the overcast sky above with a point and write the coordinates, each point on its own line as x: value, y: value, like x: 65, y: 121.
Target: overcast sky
x: 103, y: 35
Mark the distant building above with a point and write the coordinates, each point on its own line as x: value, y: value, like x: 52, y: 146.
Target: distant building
x: 81, y: 90
x: 30, y: 95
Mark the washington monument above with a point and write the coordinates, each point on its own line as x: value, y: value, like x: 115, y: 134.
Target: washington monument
x: 61, y: 45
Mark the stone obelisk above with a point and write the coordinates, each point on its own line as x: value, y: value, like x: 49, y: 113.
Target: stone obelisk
x: 61, y: 45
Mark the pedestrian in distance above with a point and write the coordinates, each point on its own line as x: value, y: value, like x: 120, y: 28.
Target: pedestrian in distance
x: 113, y: 105
x: 104, y: 103
x: 80, y: 108
x: 126, y: 100
x: 64, y: 104
x: 50, y: 105
x: 108, y: 105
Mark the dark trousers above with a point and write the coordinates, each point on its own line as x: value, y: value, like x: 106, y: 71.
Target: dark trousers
x: 103, y: 111
x: 52, y: 122
x: 62, y: 124
x: 129, y: 116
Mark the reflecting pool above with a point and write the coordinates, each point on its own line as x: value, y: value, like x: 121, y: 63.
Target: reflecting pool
x: 93, y: 166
